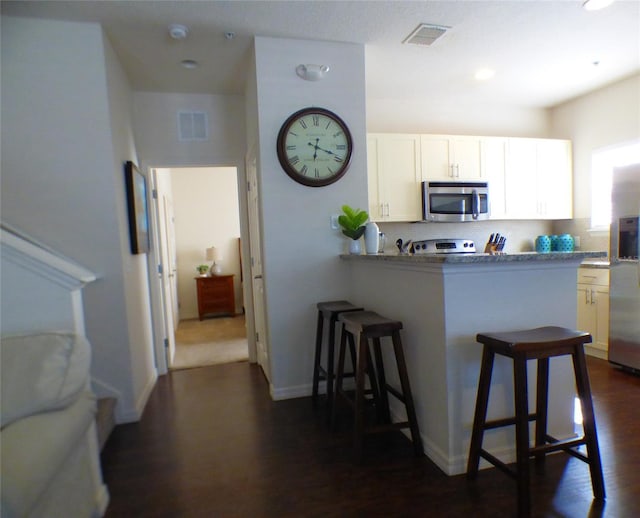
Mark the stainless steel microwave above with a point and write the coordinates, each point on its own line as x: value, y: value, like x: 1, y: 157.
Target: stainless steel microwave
x: 455, y: 201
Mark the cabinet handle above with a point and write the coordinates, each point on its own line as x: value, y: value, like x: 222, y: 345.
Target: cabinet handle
x: 452, y: 166
x: 593, y: 301
x: 382, y: 210
x: 457, y: 170
x: 387, y: 214
x: 586, y: 296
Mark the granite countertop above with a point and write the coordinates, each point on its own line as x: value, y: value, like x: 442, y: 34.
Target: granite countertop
x: 601, y: 263
x: 481, y: 258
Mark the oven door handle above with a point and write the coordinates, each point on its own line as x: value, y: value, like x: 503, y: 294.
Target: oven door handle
x: 475, y: 204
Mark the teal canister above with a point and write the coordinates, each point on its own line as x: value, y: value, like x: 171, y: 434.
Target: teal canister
x: 543, y: 244
x: 565, y: 243
x: 554, y: 243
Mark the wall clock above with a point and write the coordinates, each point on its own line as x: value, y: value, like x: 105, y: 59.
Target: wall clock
x: 314, y: 147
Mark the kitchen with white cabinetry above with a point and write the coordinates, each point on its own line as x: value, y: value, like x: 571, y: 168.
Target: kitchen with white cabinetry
x: 529, y: 178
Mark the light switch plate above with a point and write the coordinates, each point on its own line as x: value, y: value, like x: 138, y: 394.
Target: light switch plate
x: 334, y: 221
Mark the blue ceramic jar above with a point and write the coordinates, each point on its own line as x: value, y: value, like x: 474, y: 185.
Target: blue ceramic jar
x: 543, y: 244
x: 565, y: 243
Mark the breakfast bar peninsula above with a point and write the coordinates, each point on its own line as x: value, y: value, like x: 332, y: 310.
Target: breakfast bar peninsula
x: 443, y: 302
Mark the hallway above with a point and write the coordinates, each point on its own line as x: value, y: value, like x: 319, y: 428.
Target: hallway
x: 212, y: 443
x: 210, y: 342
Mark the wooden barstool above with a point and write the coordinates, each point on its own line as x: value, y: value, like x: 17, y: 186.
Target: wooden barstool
x: 535, y: 344
x: 328, y: 311
x: 361, y: 326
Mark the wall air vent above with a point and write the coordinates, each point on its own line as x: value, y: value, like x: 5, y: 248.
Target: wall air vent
x: 193, y: 126
x: 425, y: 34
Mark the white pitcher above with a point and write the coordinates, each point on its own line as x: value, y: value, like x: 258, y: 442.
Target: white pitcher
x: 371, y: 238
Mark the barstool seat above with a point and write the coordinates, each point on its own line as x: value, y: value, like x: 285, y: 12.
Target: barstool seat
x: 360, y: 327
x: 328, y: 311
x: 534, y: 344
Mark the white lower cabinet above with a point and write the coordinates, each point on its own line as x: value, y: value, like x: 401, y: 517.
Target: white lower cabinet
x: 394, y: 177
x: 593, y: 309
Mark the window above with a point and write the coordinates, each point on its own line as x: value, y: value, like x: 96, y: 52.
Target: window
x: 602, y: 164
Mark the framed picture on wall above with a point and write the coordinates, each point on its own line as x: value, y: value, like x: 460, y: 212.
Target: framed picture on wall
x: 136, y: 184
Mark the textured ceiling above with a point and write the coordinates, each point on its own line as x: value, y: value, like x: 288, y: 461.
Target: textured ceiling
x: 543, y: 52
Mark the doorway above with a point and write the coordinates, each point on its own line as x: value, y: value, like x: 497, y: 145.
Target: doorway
x: 197, y: 210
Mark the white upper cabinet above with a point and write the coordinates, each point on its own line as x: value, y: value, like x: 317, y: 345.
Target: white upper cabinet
x: 394, y: 177
x: 451, y: 157
x: 528, y: 178
x: 538, y: 179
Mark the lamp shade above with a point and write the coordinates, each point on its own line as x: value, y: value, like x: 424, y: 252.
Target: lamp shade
x: 213, y: 254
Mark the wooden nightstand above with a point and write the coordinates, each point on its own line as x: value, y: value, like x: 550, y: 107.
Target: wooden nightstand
x: 215, y: 295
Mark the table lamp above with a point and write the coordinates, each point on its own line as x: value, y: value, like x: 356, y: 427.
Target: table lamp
x: 213, y: 254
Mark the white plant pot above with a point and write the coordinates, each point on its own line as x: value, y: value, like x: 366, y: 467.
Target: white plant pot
x: 354, y: 247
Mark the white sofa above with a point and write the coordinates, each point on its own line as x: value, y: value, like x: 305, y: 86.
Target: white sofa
x: 49, y: 453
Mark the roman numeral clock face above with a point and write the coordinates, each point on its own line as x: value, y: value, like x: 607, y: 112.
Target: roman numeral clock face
x: 314, y: 147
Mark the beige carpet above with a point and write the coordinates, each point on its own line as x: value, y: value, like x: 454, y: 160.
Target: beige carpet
x: 210, y: 341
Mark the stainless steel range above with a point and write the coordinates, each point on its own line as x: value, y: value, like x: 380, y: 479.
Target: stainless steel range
x: 444, y: 246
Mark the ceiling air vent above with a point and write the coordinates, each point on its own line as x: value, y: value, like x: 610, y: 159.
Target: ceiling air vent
x: 193, y: 126
x: 425, y: 34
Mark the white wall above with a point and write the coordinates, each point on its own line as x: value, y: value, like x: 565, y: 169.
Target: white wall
x: 66, y: 133
x: 205, y: 202
x: 454, y: 117
x: 156, y: 129
x: 300, y: 265
x: 602, y: 118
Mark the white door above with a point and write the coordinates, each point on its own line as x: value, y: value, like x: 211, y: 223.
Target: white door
x: 257, y: 282
x: 172, y: 255
x: 166, y: 264
x: 169, y: 274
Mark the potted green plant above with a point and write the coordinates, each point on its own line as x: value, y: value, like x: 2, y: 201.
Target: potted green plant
x: 202, y: 269
x: 352, y: 222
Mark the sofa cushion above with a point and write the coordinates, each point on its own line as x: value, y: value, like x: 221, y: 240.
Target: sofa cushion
x: 42, y: 372
x: 35, y: 448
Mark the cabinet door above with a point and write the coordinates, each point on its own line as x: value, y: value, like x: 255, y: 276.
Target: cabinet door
x: 601, y: 338
x: 521, y: 179
x: 398, y: 161
x: 375, y: 202
x: 494, y: 157
x: 467, y: 158
x: 436, y: 157
x: 555, y: 185
x: 587, y: 320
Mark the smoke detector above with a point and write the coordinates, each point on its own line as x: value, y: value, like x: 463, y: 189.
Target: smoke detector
x: 425, y: 34
x: 177, y: 31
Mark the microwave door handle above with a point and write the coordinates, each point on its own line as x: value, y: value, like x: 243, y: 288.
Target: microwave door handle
x: 475, y: 205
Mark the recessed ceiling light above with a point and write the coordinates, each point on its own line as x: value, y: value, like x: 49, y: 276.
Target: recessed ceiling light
x: 189, y: 63
x: 595, y: 5
x: 177, y: 31
x: 483, y: 74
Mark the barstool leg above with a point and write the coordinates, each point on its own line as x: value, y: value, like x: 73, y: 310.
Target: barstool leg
x: 358, y: 431
x: 542, y: 397
x: 589, y: 423
x: 406, y: 391
x: 331, y: 345
x: 522, y: 433
x: 318, y: 356
x: 339, y: 376
x: 482, y: 401
x: 384, y: 414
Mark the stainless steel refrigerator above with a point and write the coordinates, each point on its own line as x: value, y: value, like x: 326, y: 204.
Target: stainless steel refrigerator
x: 624, y: 289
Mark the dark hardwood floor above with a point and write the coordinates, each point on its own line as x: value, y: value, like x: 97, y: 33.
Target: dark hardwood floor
x: 211, y: 443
